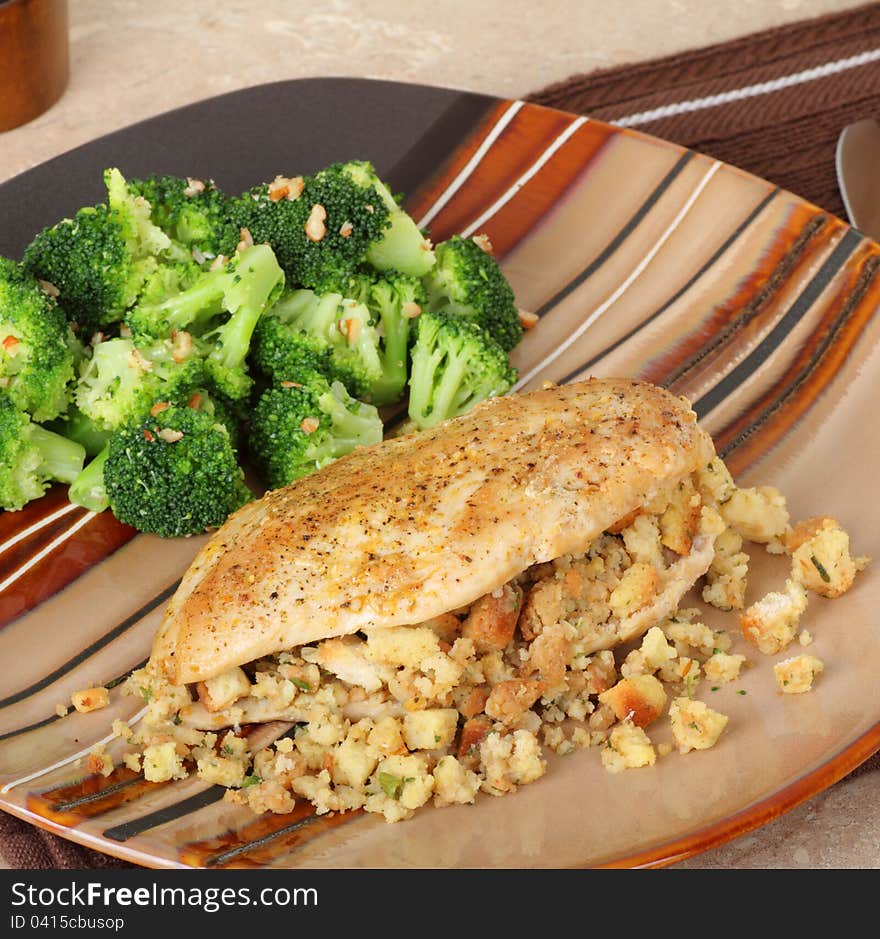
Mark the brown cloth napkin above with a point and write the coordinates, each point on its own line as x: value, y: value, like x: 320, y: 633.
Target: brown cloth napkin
x: 785, y: 94
x: 772, y: 103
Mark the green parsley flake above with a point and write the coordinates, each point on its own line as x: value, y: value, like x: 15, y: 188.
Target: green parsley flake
x: 252, y: 780
x: 391, y: 785
x: 146, y: 693
x: 302, y: 685
x: 821, y: 569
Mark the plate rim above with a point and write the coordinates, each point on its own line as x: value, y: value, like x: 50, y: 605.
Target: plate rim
x: 751, y: 817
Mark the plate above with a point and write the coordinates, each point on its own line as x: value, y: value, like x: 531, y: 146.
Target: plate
x: 641, y: 259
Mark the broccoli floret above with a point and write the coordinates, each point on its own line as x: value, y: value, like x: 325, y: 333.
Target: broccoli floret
x: 172, y: 474
x: 32, y: 457
x: 402, y: 246
x: 299, y: 426
x: 278, y: 351
x: 99, y: 259
x: 165, y: 281
x: 467, y: 281
x: 328, y: 333
x: 393, y: 300
x: 121, y: 382
x: 36, y: 348
x: 455, y: 365
x: 321, y: 235
x: 254, y: 281
x: 221, y: 308
x: 192, y: 212
x: 231, y: 414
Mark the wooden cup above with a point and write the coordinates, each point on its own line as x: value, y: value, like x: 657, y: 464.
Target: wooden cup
x: 34, y: 58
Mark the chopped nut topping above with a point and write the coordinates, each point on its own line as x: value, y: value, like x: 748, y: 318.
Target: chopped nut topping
x: 290, y: 384
x: 159, y: 407
x: 426, y: 244
x: 527, y: 320
x: 410, y: 310
x: 10, y: 345
x: 198, y: 256
x: 218, y: 262
x: 482, y: 241
x: 309, y: 425
x: 315, y: 227
x: 124, y: 332
x: 370, y: 209
x: 90, y: 699
x: 137, y: 360
x: 148, y: 436
x: 49, y: 288
x: 195, y: 401
x: 283, y: 187
x: 181, y: 345
x: 247, y: 241
x: 351, y: 329
x: 193, y: 186
x: 169, y: 435
x: 96, y: 338
x: 345, y: 230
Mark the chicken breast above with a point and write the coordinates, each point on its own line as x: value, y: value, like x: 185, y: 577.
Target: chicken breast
x: 408, y: 529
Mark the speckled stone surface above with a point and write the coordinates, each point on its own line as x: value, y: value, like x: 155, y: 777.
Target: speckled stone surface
x: 131, y: 60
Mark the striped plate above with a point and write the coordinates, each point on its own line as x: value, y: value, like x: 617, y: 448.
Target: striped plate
x: 641, y: 259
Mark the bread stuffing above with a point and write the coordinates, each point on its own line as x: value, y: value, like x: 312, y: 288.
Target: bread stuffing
x: 431, y: 619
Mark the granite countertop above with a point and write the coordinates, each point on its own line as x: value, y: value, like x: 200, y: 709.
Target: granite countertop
x: 131, y: 60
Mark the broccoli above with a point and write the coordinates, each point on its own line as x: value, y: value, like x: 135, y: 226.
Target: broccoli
x: 88, y: 489
x: 76, y: 426
x: 174, y: 473
x: 467, y: 281
x: 299, y: 426
x: 393, y: 300
x: 36, y: 351
x: 221, y: 308
x: 191, y: 212
x: 31, y: 457
x: 99, y: 259
x: 402, y: 246
x: 320, y: 233
x: 122, y: 382
x: 455, y: 365
x: 328, y: 333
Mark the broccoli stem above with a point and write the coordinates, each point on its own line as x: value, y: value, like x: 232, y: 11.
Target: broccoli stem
x: 62, y: 459
x: 249, y: 290
x: 192, y: 309
x: 88, y: 489
x: 81, y: 429
x: 388, y: 388
x: 349, y: 428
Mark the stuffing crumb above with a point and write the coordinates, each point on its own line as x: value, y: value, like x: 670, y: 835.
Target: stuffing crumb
x: 723, y: 667
x: 795, y: 675
x: 771, y: 623
x: 627, y: 747
x: 805, y: 637
x: 820, y: 557
x: 695, y: 726
x: 99, y: 761
x: 90, y: 699
x: 758, y: 514
x: 61, y: 710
